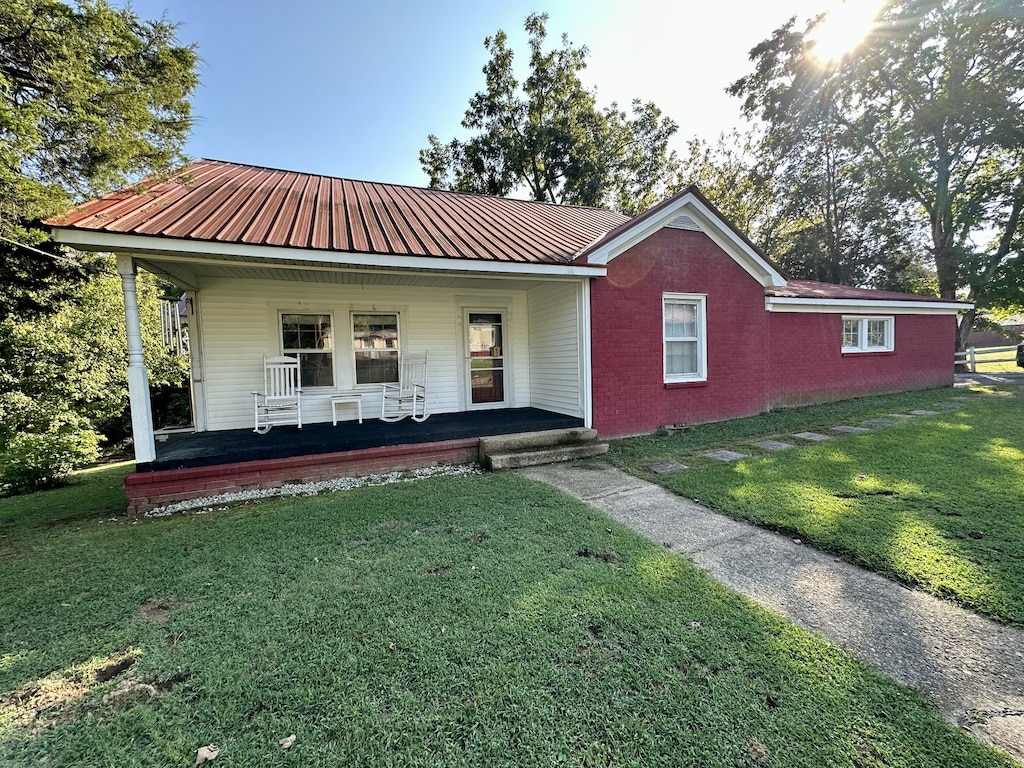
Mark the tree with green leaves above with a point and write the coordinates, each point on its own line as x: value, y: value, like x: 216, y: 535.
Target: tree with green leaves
x: 928, y: 116
x: 804, y: 211
x: 91, y: 98
x: 548, y: 135
x: 63, y: 381
x: 732, y: 174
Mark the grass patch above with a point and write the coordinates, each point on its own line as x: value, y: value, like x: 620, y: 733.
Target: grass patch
x: 936, y: 502
x: 452, y: 621
x: 91, y: 494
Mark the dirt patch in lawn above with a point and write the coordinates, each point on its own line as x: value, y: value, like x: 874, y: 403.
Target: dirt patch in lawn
x: 61, y: 696
x: 58, y: 697
x: 604, y: 555
x: 133, y: 691
x: 158, y: 610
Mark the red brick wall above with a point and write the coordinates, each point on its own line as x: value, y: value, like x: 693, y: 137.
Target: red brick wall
x: 808, y: 365
x: 756, y: 359
x: 630, y: 396
x: 150, y: 490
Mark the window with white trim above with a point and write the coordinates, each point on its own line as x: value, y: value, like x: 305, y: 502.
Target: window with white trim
x: 375, y: 346
x: 310, y: 338
x: 684, y: 337
x: 868, y: 334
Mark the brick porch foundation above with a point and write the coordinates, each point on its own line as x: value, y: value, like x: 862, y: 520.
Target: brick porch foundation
x: 150, y: 490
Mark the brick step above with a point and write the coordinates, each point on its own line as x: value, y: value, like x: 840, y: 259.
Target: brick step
x: 551, y: 455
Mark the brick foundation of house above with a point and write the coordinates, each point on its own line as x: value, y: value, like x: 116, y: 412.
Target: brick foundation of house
x: 150, y: 490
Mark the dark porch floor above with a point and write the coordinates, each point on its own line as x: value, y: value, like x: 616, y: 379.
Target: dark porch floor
x: 204, y: 449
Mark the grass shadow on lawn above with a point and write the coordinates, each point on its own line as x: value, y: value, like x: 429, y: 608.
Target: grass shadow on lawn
x: 456, y: 621
x: 936, y: 502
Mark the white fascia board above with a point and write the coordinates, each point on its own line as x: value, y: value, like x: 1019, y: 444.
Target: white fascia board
x: 710, y: 223
x: 863, y: 306
x: 156, y: 246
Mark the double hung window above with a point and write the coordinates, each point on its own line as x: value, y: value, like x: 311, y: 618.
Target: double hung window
x: 375, y: 346
x: 310, y: 338
x: 684, y: 335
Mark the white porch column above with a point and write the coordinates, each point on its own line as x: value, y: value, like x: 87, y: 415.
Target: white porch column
x: 138, y: 378
x: 586, y: 357
x: 196, y: 359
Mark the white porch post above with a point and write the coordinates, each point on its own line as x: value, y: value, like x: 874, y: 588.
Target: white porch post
x: 196, y: 358
x: 586, y: 357
x: 138, y: 378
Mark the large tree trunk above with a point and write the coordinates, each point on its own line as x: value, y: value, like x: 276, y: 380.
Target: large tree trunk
x: 963, y: 330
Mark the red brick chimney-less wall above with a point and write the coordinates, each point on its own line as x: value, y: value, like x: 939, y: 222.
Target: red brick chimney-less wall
x: 756, y: 360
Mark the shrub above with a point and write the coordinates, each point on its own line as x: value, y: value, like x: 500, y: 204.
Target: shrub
x: 44, y: 458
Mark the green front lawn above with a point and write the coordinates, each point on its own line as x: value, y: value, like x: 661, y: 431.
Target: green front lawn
x: 936, y: 502
x: 482, y: 620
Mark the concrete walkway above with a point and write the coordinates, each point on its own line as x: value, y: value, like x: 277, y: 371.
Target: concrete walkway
x: 973, y: 668
x: 989, y: 379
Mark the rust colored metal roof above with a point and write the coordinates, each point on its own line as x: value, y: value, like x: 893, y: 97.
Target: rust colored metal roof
x: 812, y: 289
x: 222, y: 202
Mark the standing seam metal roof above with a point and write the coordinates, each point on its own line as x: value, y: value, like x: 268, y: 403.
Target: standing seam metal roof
x: 223, y: 202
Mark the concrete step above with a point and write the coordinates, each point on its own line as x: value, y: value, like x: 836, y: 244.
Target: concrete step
x: 523, y: 441
x: 535, y: 456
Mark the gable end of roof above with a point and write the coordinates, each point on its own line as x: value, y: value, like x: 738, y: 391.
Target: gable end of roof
x: 688, y: 210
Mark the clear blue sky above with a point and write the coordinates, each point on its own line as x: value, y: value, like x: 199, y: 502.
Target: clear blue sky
x: 353, y: 88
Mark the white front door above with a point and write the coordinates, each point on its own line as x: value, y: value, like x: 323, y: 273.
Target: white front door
x: 486, y: 361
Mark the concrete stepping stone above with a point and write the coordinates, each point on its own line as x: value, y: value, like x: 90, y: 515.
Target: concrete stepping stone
x: 849, y: 430
x: 900, y: 415
x: 814, y: 437
x: 661, y: 467
x: 923, y: 412
x: 878, y: 423
x: 773, y: 445
x: 962, y: 399
x: 724, y: 455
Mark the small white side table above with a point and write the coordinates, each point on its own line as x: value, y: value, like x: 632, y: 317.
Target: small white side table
x: 350, y: 399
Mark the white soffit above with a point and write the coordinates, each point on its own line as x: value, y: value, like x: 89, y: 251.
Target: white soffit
x: 863, y: 306
x: 689, y: 212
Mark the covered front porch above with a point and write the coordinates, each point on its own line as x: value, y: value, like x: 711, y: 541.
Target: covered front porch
x: 351, y: 280
x: 207, y: 464
x: 505, y: 356
x: 204, y: 449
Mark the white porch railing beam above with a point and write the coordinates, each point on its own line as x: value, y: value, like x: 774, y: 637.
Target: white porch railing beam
x: 138, y: 377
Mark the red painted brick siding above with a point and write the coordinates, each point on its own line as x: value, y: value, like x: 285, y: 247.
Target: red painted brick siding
x: 150, y: 490
x: 630, y: 396
x: 757, y: 360
x: 808, y: 365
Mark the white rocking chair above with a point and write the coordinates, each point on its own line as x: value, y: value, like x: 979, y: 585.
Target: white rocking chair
x: 280, y: 402
x: 409, y: 396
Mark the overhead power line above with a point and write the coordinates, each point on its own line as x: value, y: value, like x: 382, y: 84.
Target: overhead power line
x: 56, y: 256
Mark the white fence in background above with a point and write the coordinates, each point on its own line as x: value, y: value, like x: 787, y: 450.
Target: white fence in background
x: 972, y: 356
